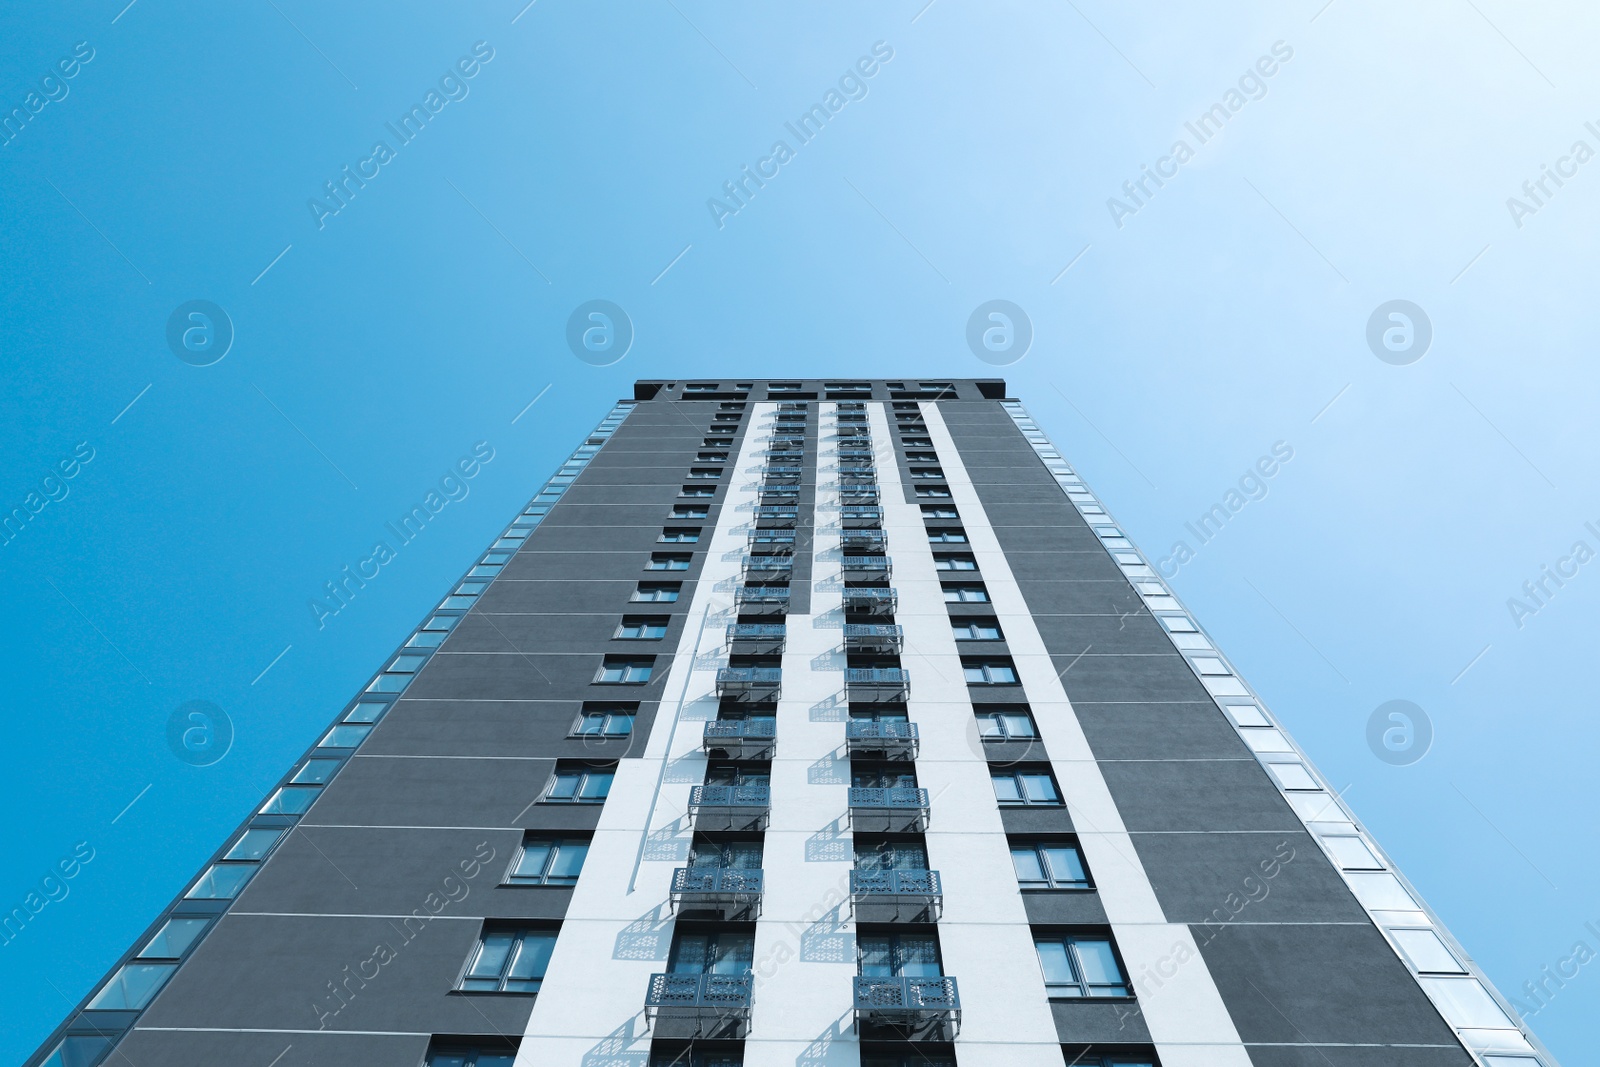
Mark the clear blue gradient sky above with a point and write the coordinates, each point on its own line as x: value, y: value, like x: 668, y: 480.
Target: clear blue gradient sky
x: 1226, y: 313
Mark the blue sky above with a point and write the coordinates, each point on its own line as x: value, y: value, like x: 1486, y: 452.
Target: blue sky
x: 371, y: 351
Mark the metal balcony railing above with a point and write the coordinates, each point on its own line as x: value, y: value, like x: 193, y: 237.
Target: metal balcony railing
x: 857, y: 565
x: 792, y: 405
x: 927, y: 1006
x: 857, y: 495
x: 778, y: 514
x: 703, y: 998
x: 856, y: 430
x: 876, y: 893
x: 778, y: 494
x: 873, y: 637
x: 849, y: 477
x: 781, y: 475
x: 748, y: 681
x: 759, y: 598
x: 728, y: 892
x: 741, y: 729
x: 730, y: 807
x: 859, y: 516
x: 863, y: 539
x: 894, y: 809
x: 894, y: 739
x: 771, y: 541
x: 775, y: 565
x: 877, y: 683
x: 757, y: 636
x: 876, y: 601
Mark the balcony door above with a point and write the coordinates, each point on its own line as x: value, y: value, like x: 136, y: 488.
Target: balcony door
x: 899, y: 956
x: 722, y: 952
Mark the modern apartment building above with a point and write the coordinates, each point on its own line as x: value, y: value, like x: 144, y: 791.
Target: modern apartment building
x: 808, y: 724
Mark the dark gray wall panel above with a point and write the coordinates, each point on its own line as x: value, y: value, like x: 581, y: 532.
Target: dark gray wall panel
x: 209, y: 1048
x: 1201, y: 794
x: 1252, y: 878
x: 1135, y: 731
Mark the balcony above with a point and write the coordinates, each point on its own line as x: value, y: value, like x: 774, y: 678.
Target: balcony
x: 861, y: 516
x: 857, y: 430
x: 728, y: 893
x: 852, y: 452
x: 858, y: 495
x: 793, y: 405
x: 763, y: 568
x: 849, y: 478
x: 915, y: 1008
x: 756, y: 638
x: 871, y: 601
x: 894, y: 740
x: 771, y: 541
x: 868, y: 567
x: 715, y: 1004
x: 730, y: 807
x: 888, y: 810
x: 774, y: 474
x: 778, y: 515
x: 873, y: 637
x: 896, y: 896
x: 877, y: 684
x: 750, y: 683
x: 762, y: 599
x: 868, y: 539
x: 740, y: 739
x: 786, y: 446
x: 778, y: 494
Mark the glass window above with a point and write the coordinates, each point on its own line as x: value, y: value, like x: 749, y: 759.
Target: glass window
x: 1049, y: 865
x: 898, y: 956
x: 604, y: 721
x: 549, y: 862
x: 689, y: 511
x: 954, y: 563
x: 976, y: 630
x: 947, y: 537
x: 425, y: 639
x: 291, y: 799
x: 253, y: 844
x: 222, y: 881
x: 698, y: 490
x: 936, y: 511
x: 173, y: 939
x: 509, y: 961
x: 663, y: 562
x: 989, y: 672
x: 736, y: 854
x: 441, y: 622
x: 705, y: 473
x: 656, y: 593
x: 966, y: 594
x: 680, y: 535
x: 345, y: 735
x: 1014, y: 787
x: 642, y: 628
x: 721, y: 952
x: 368, y: 711
x: 909, y: 1059
x: 927, y: 472
x: 1081, y: 966
x: 934, y: 491
x: 316, y: 772
x: 579, y: 785
x: 891, y: 856
x: 616, y: 671
x: 870, y: 777
x: 78, y: 1050
x: 1006, y: 724
x: 133, y: 986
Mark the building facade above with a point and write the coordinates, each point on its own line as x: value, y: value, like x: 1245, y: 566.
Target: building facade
x: 802, y: 723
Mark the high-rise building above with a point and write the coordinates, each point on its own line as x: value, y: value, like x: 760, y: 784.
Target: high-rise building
x: 802, y: 723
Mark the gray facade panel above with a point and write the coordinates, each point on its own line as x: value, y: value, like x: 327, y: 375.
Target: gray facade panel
x: 498, y: 728
x: 401, y: 791
x: 1250, y: 878
x: 1090, y: 677
x: 1204, y: 794
x: 1099, y: 1021
x: 1134, y: 731
x: 208, y: 1048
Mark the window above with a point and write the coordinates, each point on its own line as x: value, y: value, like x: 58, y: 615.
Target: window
x: 1023, y: 788
x: 976, y: 630
x: 705, y: 473
x: 922, y: 457
x: 579, y: 784
x: 509, y: 961
x: 917, y: 442
x: 697, y: 1057
x: 716, y: 442
x: 898, y: 956
x: 656, y: 592
x: 939, y: 511
x: 947, y: 537
x: 548, y: 862
x: 1081, y: 966
x: 720, y: 952
x: 954, y: 563
x: 989, y: 672
x: 932, y: 473
x: 965, y: 594
x: 605, y: 720
x: 890, y: 855
x: 680, y: 535
x: 1006, y: 723
x: 137, y: 982
x: 742, y: 854
x: 640, y: 628
x: 697, y: 491
x: 1049, y: 865
x: 456, y: 1056
x: 662, y: 561
x: 940, y: 492
x: 711, y: 457
x: 867, y: 776
x: 906, y: 1059
x: 689, y: 511
x: 701, y: 387
x: 615, y: 670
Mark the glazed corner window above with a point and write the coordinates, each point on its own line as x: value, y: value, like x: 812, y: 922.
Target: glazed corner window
x: 642, y: 628
x: 1009, y: 723
x: 680, y: 535
x: 509, y: 961
x: 663, y: 561
x: 1024, y: 788
x: 548, y: 861
x: 616, y: 670
x: 1081, y: 966
x: 605, y: 720
x: 656, y: 592
x: 989, y: 672
x: 1049, y: 865
x: 965, y: 594
x: 574, y: 783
